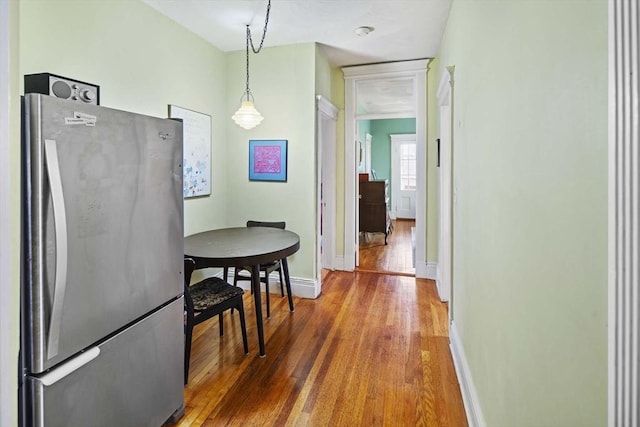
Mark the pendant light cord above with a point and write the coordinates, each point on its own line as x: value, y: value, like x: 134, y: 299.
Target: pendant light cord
x: 247, y: 90
x: 264, y: 31
x: 256, y: 51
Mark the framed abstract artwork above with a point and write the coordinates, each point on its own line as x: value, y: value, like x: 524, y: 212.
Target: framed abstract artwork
x: 268, y: 160
x: 196, y: 136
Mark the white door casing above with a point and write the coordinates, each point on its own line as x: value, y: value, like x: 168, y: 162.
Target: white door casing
x: 445, y: 185
x: 417, y: 71
x: 356, y: 149
x: 327, y: 115
x: 403, y: 199
x: 364, y: 153
x: 9, y: 184
x: 624, y: 230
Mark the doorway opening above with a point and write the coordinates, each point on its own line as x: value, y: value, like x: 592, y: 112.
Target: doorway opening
x: 382, y: 92
x: 387, y: 163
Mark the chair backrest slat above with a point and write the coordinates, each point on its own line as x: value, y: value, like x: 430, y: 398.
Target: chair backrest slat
x: 276, y: 224
x: 189, y: 266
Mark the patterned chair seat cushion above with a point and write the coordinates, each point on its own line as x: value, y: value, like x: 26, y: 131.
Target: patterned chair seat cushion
x: 210, y: 291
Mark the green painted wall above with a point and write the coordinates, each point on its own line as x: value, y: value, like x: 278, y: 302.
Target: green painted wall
x: 323, y: 71
x: 381, y: 143
x: 138, y: 70
x: 144, y: 71
x: 283, y: 84
x: 530, y: 207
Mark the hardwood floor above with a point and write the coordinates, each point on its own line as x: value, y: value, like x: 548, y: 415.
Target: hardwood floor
x: 372, y: 350
x: 394, y: 257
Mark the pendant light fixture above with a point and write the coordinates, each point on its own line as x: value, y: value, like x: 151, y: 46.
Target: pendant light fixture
x: 247, y: 116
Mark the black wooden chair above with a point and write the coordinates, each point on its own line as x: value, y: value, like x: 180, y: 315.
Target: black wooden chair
x: 205, y: 299
x: 266, y: 269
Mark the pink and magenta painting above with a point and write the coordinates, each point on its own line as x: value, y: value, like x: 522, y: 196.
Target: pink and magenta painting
x: 267, y: 159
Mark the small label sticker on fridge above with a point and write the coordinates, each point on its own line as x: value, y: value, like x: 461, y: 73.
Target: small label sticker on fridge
x: 74, y: 121
x: 81, y: 119
x: 90, y: 119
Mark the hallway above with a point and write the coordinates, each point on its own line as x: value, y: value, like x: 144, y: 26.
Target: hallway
x: 393, y: 258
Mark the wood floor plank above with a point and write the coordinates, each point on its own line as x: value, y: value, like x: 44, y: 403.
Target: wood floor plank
x: 395, y: 257
x: 372, y: 350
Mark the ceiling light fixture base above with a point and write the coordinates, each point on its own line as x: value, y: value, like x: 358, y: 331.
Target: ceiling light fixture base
x: 364, y: 30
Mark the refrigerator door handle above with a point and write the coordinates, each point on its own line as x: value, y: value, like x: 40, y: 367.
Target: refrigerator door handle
x: 71, y: 366
x: 60, y: 220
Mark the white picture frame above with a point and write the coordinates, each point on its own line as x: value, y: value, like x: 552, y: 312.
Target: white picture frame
x: 196, y: 165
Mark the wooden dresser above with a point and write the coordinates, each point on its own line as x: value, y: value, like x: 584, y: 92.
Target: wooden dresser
x: 374, y: 207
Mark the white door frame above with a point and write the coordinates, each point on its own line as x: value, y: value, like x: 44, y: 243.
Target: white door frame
x: 397, y: 139
x: 444, y: 282
x: 9, y: 289
x: 416, y: 70
x: 624, y: 230
x: 327, y: 115
x: 367, y: 152
x: 356, y: 214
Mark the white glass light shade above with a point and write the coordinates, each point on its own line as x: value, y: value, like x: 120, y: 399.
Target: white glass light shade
x: 247, y: 116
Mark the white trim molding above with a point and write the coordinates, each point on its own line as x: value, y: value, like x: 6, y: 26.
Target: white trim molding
x: 303, y: 288
x: 624, y: 231
x: 422, y: 269
x: 395, y: 69
x: 417, y: 70
x: 469, y: 395
x: 9, y: 214
x: 300, y: 287
x: 338, y: 263
x: 326, y: 117
x: 431, y: 270
x: 326, y: 107
x: 445, y: 187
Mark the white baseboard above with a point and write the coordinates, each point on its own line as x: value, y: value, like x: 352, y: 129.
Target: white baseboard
x: 468, y: 389
x: 303, y: 288
x: 338, y: 263
x: 432, y: 270
x: 422, y: 270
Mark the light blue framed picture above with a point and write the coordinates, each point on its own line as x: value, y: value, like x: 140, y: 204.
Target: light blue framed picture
x: 268, y: 160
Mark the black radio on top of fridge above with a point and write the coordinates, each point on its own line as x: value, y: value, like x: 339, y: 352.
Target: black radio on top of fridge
x: 62, y: 87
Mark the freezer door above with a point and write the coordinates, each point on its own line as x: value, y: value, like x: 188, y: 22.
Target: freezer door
x: 104, y: 223
x: 135, y: 379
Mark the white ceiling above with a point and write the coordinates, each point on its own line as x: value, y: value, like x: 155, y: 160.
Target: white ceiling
x: 403, y: 29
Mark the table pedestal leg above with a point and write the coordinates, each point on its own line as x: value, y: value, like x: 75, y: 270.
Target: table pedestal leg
x: 255, y: 283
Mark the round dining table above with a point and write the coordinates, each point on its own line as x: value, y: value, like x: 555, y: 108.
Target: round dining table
x: 244, y: 247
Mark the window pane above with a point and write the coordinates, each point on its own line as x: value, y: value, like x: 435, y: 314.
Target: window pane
x: 408, y: 167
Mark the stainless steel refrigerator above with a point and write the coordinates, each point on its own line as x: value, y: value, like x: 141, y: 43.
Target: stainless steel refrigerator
x: 102, y: 307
